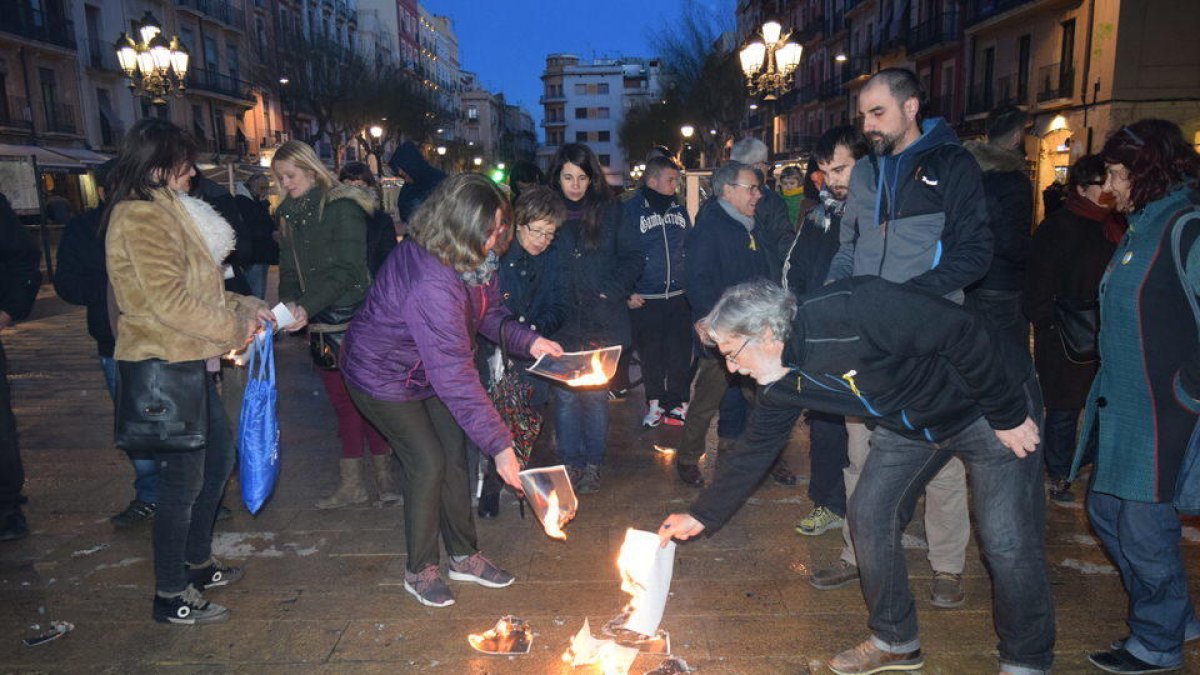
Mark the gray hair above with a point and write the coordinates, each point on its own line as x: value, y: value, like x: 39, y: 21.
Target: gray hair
x: 749, y: 150
x: 748, y: 310
x: 727, y: 174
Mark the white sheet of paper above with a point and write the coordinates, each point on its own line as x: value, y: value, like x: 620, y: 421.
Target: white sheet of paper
x: 283, y: 316
x: 646, y: 573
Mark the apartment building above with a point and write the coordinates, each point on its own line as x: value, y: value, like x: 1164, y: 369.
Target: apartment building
x: 586, y: 103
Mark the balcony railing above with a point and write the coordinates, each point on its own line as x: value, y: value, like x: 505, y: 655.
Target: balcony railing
x: 939, y: 29
x: 20, y: 19
x: 221, y: 10
x: 798, y: 142
x: 940, y: 106
x: 892, y: 35
x: 1054, y: 82
x: 832, y: 88
x: 60, y: 118
x: 203, y: 79
x: 101, y: 58
x: 982, y: 100
x: 980, y: 10
x: 16, y: 114
x: 859, y: 65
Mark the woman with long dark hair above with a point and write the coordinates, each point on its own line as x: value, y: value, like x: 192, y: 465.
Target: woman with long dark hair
x: 602, y: 265
x: 409, y: 364
x: 164, y: 252
x: 1143, y: 405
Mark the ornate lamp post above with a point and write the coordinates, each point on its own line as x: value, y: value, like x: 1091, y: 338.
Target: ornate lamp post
x: 768, y: 64
x: 155, y: 66
x: 376, y: 133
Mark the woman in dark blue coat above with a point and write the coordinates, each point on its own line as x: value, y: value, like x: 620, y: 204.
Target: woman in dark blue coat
x: 602, y: 263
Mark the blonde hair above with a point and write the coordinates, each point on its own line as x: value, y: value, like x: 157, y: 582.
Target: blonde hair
x: 455, y: 222
x: 304, y: 157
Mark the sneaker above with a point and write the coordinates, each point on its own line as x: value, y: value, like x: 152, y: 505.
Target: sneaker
x: 481, y: 571
x: 782, y: 474
x: 654, y: 414
x: 690, y: 474
x: 947, y: 590
x: 1060, y: 491
x: 836, y: 575
x: 188, y: 608
x: 428, y: 588
x: 214, y: 575
x: 1121, y: 661
x: 589, y: 481
x: 13, y: 526
x: 819, y: 521
x: 136, y: 513
x: 866, y: 658
x: 676, y: 416
x: 1191, y: 635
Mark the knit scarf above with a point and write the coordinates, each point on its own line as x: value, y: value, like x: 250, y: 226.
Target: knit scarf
x: 482, y: 274
x: 1113, y: 222
x: 746, y: 221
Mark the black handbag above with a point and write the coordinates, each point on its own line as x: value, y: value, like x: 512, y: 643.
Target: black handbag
x: 161, y: 406
x: 1078, y: 324
x: 325, y: 333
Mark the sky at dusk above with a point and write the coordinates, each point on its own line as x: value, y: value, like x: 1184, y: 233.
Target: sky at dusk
x: 505, y: 42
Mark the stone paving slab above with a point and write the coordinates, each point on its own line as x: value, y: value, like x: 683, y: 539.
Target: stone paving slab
x: 323, y: 589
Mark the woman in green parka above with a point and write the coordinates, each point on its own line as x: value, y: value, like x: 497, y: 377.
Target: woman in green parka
x: 323, y: 278
x: 1143, y: 405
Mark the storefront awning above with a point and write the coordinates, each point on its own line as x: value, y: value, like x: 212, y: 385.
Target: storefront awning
x: 83, y: 155
x: 45, y: 157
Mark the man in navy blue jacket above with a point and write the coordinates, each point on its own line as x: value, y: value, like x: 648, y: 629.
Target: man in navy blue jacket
x: 658, y: 308
x: 723, y: 250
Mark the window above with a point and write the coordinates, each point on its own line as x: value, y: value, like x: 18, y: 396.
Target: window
x: 581, y: 113
x: 989, y: 72
x: 581, y: 137
x: 49, y: 84
x: 1067, y: 58
x: 95, y: 45
x: 472, y: 112
x: 210, y: 55
x: 602, y: 88
x: 605, y: 160
x: 580, y: 89
x: 260, y: 36
x: 604, y: 136
x: 108, y: 132
x: 232, y: 61
x: 602, y: 113
x: 188, y: 38
x: 1023, y: 47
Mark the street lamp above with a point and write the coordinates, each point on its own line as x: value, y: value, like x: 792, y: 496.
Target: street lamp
x: 769, y: 64
x: 478, y: 161
x: 687, y: 130
x: 155, y: 66
x: 441, y: 150
x: 376, y: 133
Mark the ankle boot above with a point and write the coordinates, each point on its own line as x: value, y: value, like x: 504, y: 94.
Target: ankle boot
x: 385, y: 479
x: 351, y: 490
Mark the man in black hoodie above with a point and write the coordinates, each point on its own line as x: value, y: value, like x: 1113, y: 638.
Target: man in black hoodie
x: 937, y: 385
x: 420, y: 179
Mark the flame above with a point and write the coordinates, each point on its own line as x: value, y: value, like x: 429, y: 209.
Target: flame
x: 663, y: 450
x: 610, y: 657
x: 551, y: 522
x: 508, y: 636
x: 595, y: 377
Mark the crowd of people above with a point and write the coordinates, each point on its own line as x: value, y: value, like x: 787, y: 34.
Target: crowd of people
x: 883, y: 295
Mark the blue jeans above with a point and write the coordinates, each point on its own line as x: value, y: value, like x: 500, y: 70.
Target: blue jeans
x: 145, y: 469
x: 580, y: 424
x: 1010, y: 518
x: 1143, y: 541
x: 256, y: 278
x: 191, y: 485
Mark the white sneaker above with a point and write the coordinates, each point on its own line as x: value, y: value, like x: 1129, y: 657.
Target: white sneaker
x: 654, y: 414
x: 677, y: 416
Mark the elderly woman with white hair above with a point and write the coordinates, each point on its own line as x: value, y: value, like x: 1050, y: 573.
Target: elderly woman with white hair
x: 936, y: 386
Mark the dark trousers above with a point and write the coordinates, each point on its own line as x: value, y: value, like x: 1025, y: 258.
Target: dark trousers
x: 353, y: 429
x: 1058, y: 441
x: 1010, y: 519
x: 432, y: 451
x: 662, y: 335
x: 1143, y: 541
x: 735, y: 407
x: 190, y: 487
x: 1002, y: 309
x: 827, y: 457
x: 12, y: 472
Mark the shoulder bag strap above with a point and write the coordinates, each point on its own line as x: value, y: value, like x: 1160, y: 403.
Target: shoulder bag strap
x: 1181, y: 263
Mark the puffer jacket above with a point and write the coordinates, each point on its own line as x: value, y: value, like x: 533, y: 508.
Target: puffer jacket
x: 1009, y: 196
x: 323, y: 259
x: 414, y: 338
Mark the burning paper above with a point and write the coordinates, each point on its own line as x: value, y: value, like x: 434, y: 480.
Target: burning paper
x: 646, y: 568
x: 579, y: 369
x: 509, y: 636
x: 659, y: 643
x: 610, y: 657
x: 551, y: 496
x: 672, y: 666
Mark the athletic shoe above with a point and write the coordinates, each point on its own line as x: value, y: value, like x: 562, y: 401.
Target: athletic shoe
x: 819, y: 521
x: 654, y: 414
x: 481, y: 571
x: 214, y: 575
x: 428, y: 588
x: 677, y: 416
x: 188, y: 608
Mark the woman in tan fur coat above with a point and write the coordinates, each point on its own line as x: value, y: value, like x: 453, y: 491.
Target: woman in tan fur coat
x: 164, y: 252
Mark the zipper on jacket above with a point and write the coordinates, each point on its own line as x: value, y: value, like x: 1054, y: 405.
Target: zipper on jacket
x: 847, y: 380
x: 667, y: 256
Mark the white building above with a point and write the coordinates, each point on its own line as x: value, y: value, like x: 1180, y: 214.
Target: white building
x: 586, y: 103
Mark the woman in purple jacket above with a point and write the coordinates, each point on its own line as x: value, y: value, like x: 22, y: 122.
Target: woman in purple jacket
x: 408, y: 362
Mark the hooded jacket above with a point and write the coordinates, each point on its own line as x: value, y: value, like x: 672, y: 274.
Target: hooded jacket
x: 919, y: 365
x: 1009, y: 197
x: 925, y: 225
x: 423, y: 178
x: 323, y: 261
x: 81, y: 278
x: 414, y: 338
x: 661, y: 237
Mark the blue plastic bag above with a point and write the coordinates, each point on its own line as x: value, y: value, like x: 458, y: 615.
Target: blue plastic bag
x: 258, y: 431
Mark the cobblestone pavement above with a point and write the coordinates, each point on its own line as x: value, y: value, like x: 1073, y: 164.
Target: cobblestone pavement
x: 323, y: 589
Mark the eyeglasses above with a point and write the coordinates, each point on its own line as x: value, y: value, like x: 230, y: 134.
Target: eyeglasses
x: 744, y: 185
x: 540, y: 234
x: 733, y: 357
